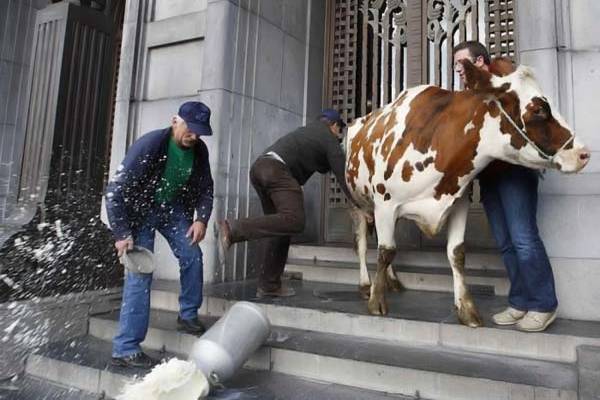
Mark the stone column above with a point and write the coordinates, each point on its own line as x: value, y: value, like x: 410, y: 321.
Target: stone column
x: 559, y: 39
x: 18, y: 21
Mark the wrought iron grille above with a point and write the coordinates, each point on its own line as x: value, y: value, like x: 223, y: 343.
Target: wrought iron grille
x: 449, y: 22
x: 372, y: 39
x: 381, y: 57
x: 500, y: 28
x: 342, y: 83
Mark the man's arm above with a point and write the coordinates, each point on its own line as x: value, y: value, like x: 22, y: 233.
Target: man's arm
x: 337, y: 162
x: 137, y: 161
x: 204, y: 202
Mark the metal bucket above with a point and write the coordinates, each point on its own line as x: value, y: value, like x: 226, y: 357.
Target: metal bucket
x: 225, y: 347
x: 138, y: 260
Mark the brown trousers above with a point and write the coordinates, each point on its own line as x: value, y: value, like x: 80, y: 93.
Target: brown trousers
x: 283, y: 206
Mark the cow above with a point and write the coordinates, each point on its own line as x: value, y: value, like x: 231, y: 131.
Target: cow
x: 416, y: 157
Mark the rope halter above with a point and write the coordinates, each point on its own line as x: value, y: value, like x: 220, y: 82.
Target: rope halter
x: 523, y: 134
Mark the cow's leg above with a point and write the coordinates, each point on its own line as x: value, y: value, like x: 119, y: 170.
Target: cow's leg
x: 465, y: 307
x: 385, y: 221
x: 359, y: 222
x: 391, y: 279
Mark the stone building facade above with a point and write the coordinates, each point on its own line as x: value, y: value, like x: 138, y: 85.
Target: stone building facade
x: 261, y: 67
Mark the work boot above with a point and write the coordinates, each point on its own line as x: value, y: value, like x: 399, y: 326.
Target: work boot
x: 223, y: 240
x: 138, y: 360
x: 536, y: 321
x: 283, y: 291
x: 191, y: 326
x: 510, y: 316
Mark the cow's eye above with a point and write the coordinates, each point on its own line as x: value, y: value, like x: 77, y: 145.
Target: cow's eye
x: 540, y: 113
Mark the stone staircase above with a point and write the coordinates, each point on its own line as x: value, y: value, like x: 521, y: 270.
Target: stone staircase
x: 417, y: 270
x: 324, y: 342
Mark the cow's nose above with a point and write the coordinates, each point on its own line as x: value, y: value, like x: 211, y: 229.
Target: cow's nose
x: 584, y: 156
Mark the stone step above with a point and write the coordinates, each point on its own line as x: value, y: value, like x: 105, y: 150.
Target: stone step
x: 6, y: 231
x: 382, y: 365
x: 84, y: 363
x: 415, y: 317
x: 437, y: 279
x: 414, y: 258
x: 30, y: 388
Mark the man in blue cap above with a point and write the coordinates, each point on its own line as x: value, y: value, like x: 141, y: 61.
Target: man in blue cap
x: 163, y: 181
x: 277, y: 176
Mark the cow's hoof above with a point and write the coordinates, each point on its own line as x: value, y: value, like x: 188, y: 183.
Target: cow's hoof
x: 469, y: 316
x: 394, y: 284
x: 365, y: 291
x: 377, y: 304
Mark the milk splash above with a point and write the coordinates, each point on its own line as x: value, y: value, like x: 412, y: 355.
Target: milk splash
x: 174, y: 380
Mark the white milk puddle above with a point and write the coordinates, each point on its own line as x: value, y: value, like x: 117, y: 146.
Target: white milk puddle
x: 173, y: 380
x: 220, y: 352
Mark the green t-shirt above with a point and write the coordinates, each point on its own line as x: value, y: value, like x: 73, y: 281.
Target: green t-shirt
x: 177, y: 171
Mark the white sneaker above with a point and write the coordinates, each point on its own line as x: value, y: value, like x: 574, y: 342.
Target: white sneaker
x: 510, y: 316
x: 536, y: 321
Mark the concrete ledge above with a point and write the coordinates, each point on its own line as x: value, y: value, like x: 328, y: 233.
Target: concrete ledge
x: 28, y: 388
x: 405, y: 381
x: 473, y: 260
x: 589, y: 385
x: 437, y: 279
x: 588, y: 363
x: 172, y: 8
x: 162, y: 336
x: 433, y: 359
x: 176, y: 29
x: 415, y: 317
x: 321, y: 369
x: 80, y: 377
x: 27, y: 325
x: 84, y: 364
x: 588, y: 357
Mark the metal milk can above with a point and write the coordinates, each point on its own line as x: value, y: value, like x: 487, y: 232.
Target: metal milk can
x: 225, y: 347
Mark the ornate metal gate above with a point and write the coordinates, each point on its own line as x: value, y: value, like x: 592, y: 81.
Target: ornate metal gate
x: 377, y: 48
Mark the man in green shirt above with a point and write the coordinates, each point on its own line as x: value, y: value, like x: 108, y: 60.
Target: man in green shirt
x: 163, y: 181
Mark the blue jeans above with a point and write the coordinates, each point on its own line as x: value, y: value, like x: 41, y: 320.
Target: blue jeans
x: 173, y: 223
x: 510, y: 202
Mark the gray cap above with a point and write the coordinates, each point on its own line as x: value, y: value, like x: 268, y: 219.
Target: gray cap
x: 138, y: 260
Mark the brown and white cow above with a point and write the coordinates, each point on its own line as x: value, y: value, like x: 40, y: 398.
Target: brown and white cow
x: 415, y: 158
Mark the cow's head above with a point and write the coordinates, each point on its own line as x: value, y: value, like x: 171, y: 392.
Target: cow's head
x: 539, y: 136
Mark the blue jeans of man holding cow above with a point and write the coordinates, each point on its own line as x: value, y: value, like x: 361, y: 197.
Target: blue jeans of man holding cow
x: 172, y: 222
x: 510, y: 201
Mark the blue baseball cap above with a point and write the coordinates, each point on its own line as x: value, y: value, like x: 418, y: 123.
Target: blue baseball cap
x: 333, y: 116
x: 197, y: 117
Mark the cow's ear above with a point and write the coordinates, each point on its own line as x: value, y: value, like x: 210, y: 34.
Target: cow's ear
x: 475, y: 78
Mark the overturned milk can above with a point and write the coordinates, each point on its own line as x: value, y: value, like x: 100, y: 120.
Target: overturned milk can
x: 225, y: 347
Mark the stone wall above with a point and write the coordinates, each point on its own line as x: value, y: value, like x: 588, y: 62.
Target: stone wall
x: 17, y: 18
x: 256, y: 63
x: 560, y: 40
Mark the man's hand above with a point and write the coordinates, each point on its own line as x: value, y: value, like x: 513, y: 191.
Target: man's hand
x: 122, y: 245
x: 197, y: 232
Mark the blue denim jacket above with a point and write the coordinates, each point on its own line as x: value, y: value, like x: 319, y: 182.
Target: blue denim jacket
x: 130, y: 192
